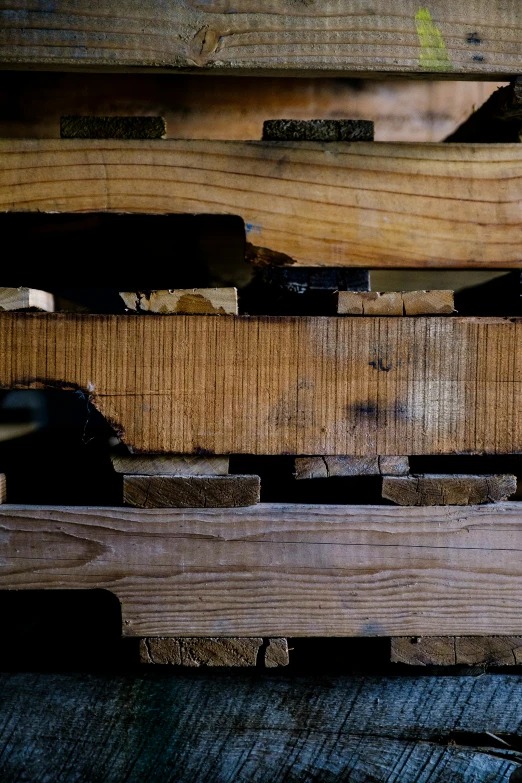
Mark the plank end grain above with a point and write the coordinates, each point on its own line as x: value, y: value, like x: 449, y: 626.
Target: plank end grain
x: 190, y: 301
x: 191, y: 491
x: 78, y: 127
x: 450, y: 490
x: 169, y: 465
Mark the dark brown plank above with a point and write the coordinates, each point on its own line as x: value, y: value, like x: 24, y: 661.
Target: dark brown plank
x: 191, y: 491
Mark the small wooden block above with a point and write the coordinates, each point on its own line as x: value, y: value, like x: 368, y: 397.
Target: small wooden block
x: 213, y: 651
x: 456, y: 490
x: 395, y: 303
x: 452, y: 650
x: 328, y: 467
x: 423, y: 651
x: 318, y: 130
x: 77, y: 127
x: 183, y: 301
x: 191, y: 491
x: 171, y: 465
x: 3, y: 489
x: 26, y: 299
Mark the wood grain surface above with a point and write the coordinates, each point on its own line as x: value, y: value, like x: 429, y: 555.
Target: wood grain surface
x: 190, y: 491
x: 448, y: 490
x: 362, y: 205
x: 258, y: 728
x: 279, y: 570
x: 295, y: 385
x: 481, y: 39
x: 457, y: 650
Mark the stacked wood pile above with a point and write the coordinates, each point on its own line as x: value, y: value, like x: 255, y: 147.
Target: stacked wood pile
x: 365, y: 392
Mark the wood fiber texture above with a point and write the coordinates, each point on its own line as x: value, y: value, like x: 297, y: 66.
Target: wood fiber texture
x: 78, y: 127
x: 294, y: 385
x: 194, y: 301
x: 457, y: 650
x: 279, y: 570
x: 360, y: 205
x: 190, y: 491
x: 329, y: 467
x: 450, y: 490
x: 247, y: 727
x: 318, y: 130
x: 395, y: 303
x: 170, y: 465
x: 215, y: 651
x: 480, y: 39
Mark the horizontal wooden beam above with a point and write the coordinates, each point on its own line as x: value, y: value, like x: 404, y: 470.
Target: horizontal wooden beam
x: 362, y: 205
x: 279, y: 570
x: 259, y: 385
x: 478, y: 40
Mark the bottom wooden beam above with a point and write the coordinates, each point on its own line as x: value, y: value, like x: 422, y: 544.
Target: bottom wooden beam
x: 259, y: 728
x: 277, y: 570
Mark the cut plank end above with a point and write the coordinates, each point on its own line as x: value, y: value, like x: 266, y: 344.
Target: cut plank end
x: 78, y: 127
x: 329, y: 467
x: 190, y: 301
x: 456, y: 490
x: 457, y: 650
x: 26, y: 299
x: 396, y: 303
x: 318, y: 130
x: 169, y: 465
x: 191, y: 491
x: 214, y: 651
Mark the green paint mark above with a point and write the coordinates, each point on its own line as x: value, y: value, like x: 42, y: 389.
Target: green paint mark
x: 433, y: 55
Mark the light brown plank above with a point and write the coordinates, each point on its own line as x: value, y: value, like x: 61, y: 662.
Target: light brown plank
x: 231, y: 385
x: 193, y: 301
x: 364, y: 204
x: 170, y: 465
x: 431, y: 490
x: 345, y: 37
x: 395, y: 303
x: 280, y: 570
x: 451, y: 650
x: 328, y: 467
x: 26, y: 299
x: 214, y: 651
x: 190, y: 491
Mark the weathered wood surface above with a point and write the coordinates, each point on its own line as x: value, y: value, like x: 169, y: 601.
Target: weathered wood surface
x: 26, y: 299
x: 80, y: 127
x: 433, y: 490
x: 451, y: 650
x: 194, y: 301
x: 229, y: 385
x: 214, y: 651
x: 247, y: 728
x: 169, y: 465
x: 191, y: 491
x: 279, y: 570
x: 482, y: 39
x: 329, y: 467
x: 362, y: 205
x: 395, y: 303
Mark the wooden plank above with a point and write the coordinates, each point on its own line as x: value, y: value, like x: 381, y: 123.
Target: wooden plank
x: 81, y: 127
x: 229, y: 385
x: 480, y: 40
x: 194, y: 301
x: 169, y: 465
x: 26, y: 299
x: 279, y: 570
x: 208, y: 726
x: 363, y: 205
x: 457, y: 650
x: 431, y: 490
x: 395, y: 303
x: 318, y: 130
x: 217, y: 651
x: 190, y: 491
x: 328, y: 467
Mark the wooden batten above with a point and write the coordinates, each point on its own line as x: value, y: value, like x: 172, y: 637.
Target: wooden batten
x: 235, y: 652
x: 431, y: 490
x: 191, y: 491
x: 457, y: 650
x: 395, y: 303
x: 330, y: 467
x: 191, y: 301
x: 169, y: 465
x: 12, y: 299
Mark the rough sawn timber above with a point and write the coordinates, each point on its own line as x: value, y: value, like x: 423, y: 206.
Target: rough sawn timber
x: 279, y: 570
x: 295, y: 385
x: 258, y: 728
x: 336, y: 204
x: 480, y: 39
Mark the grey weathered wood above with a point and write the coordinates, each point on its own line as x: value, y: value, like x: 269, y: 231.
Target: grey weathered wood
x: 191, y: 491
x: 214, y: 651
x: 451, y: 490
x: 77, y: 127
x: 279, y: 570
x: 451, y: 650
x: 169, y: 465
x: 328, y: 467
x: 318, y: 130
x: 246, y: 728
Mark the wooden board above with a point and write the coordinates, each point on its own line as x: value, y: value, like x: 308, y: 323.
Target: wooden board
x: 362, y: 205
x: 395, y: 303
x: 194, y: 301
x: 26, y: 299
x: 258, y: 728
x: 190, y: 491
x: 229, y: 385
x: 482, y: 39
x: 457, y: 650
x: 169, y: 465
x: 279, y: 570
x: 330, y: 467
x: 448, y: 490
x: 214, y: 651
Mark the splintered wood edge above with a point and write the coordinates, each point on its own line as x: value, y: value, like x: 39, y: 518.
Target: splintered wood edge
x: 183, y: 301
x: 12, y: 299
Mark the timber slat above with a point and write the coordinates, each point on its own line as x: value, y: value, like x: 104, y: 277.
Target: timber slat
x: 480, y: 39
x: 360, y: 205
x: 279, y: 570
x: 249, y: 728
x: 294, y: 385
